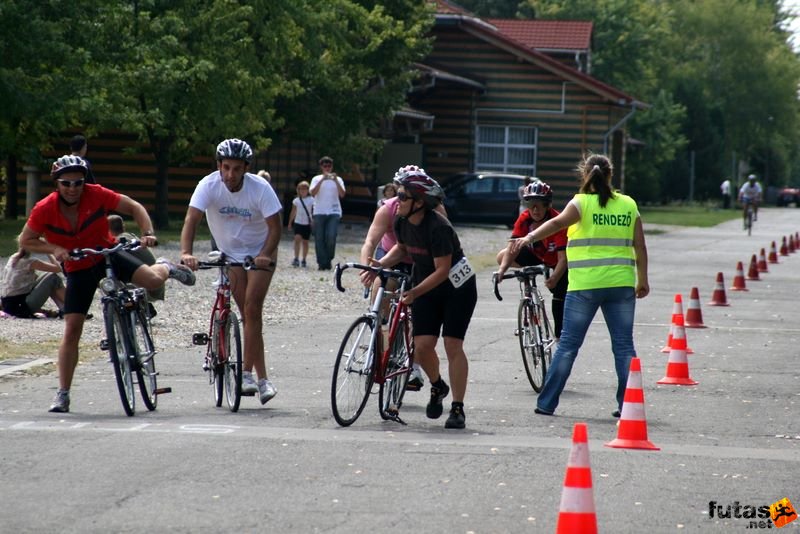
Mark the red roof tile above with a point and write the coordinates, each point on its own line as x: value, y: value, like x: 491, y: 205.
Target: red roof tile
x: 547, y: 34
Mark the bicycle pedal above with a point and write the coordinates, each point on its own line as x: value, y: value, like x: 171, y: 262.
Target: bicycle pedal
x: 200, y: 338
x: 161, y: 391
x: 248, y: 393
x: 103, y: 344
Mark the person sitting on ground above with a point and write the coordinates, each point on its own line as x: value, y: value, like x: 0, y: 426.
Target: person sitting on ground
x: 116, y: 225
x: 551, y: 251
x: 23, y: 292
x: 67, y: 219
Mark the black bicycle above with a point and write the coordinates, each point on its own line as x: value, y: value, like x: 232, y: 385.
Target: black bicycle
x: 129, y: 341
x: 533, y: 327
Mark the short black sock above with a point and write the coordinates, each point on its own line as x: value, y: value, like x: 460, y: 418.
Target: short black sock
x: 439, y: 384
x: 456, y: 404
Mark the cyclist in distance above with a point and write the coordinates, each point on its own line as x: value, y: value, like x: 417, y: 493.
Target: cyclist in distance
x: 607, y: 259
x: 380, y: 239
x: 243, y: 214
x: 75, y: 216
x: 750, y: 193
x: 444, y: 293
x: 551, y: 251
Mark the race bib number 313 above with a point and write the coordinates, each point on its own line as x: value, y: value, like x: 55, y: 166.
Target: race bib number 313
x: 461, y: 272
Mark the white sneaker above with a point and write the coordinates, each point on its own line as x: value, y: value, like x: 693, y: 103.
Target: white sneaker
x: 266, y: 390
x: 249, y: 384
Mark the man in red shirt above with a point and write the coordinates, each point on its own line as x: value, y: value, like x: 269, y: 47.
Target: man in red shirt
x: 75, y: 216
x: 551, y: 251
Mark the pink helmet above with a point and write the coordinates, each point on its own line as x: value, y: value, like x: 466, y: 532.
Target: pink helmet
x: 419, y: 185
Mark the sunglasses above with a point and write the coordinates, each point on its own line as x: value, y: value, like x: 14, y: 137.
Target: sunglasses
x: 71, y: 183
x: 402, y: 196
x: 327, y: 164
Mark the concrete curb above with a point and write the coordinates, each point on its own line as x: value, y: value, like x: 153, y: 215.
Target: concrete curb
x: 10, y: 366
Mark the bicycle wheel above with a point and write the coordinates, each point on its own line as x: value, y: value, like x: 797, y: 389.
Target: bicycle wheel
x: 217, y: 367
x: 353, y: 372
x: 118, y: 348
x: 232, y: 342
x: 530, y: 345
x: 398, y: 369
x: 749, y: 222
x: 145, y: 353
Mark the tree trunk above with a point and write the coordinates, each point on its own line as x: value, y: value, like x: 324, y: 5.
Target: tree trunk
x: 12, y: 190
x: 161, y: 150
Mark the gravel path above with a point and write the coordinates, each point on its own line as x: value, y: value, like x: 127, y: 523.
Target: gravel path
x: 296, y: 295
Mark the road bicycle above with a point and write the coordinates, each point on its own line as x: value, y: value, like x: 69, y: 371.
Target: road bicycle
x: 129, y: 341
x: 362, y: 359
x: 533, y: 327
x: 748, y: 217
x: 223, y: 360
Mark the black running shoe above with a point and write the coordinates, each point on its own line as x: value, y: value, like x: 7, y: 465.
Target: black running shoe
x: 456, y: 419
x: 434, y: 409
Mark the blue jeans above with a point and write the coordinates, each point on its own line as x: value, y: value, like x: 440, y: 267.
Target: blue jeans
x: 326, y: 228
x: 618, y: 305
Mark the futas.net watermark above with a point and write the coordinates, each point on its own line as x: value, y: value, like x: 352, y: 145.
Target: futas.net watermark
x: 775, y: 515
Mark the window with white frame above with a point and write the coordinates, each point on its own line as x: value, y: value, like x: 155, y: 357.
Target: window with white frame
x: 509, y: 149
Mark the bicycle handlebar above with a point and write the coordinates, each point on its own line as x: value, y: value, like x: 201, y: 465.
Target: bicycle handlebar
x: 380, y: 271
x: 219, y: 260
x: 123, y: 244
x: 531, y: 271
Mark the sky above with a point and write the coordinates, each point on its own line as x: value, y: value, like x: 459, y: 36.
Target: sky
x: 793, y: 7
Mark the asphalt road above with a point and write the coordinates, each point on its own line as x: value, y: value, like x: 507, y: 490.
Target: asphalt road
x: 287, y: 467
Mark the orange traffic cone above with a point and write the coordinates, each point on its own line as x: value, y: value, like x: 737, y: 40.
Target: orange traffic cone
x: 773, y: 254
x: 752, y: 270
x: 632, y: 430
x: 762, y: 262
x: 784, y: 249
x: 718, y: 297
x: 677, y: 309
x: 791, y: 244
x: 576, y: 512
x: 738, y: 280
x: 694, y: 315
x: 678, y: 365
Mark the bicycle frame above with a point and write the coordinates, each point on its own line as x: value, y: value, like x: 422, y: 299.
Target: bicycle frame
x: 130, y: 305
x: 371, y: 360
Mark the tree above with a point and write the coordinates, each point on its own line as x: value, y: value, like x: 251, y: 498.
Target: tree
x: 184, y: 74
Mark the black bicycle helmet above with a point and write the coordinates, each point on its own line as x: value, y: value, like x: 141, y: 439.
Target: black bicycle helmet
x: 538, y: 191
x: 234, y: 149
x: 68, y: 163
x: 419, y: 185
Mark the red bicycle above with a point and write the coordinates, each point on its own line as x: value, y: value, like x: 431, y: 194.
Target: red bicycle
x: 223, y: 361
x: 362, y: 360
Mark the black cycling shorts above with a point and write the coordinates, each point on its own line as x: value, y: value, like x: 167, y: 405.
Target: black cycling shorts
x: 445, y: 309
x: 526, y: 258
x: 81, y: 285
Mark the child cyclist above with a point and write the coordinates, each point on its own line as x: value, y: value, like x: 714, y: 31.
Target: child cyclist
x: 300, y: 219
x: 551, y: 251
x: 444, y: 293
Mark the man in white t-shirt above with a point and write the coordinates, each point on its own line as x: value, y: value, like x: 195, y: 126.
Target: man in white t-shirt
x: 750, y: 193
x: 326, y: 188
x: 243, y: 214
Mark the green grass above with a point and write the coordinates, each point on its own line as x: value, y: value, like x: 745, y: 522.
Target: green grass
x: 686, y: 215
x: 10, y: 229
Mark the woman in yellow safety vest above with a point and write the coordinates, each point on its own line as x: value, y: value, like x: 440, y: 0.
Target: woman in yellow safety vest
x: 607, y: 261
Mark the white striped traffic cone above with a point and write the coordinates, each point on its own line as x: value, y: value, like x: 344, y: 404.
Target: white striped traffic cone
x: 576, y: 512
x: 632, y: 429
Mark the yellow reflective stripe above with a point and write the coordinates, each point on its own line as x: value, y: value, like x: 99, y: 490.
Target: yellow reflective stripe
x: 577, y: 264
x: 600, y: 242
